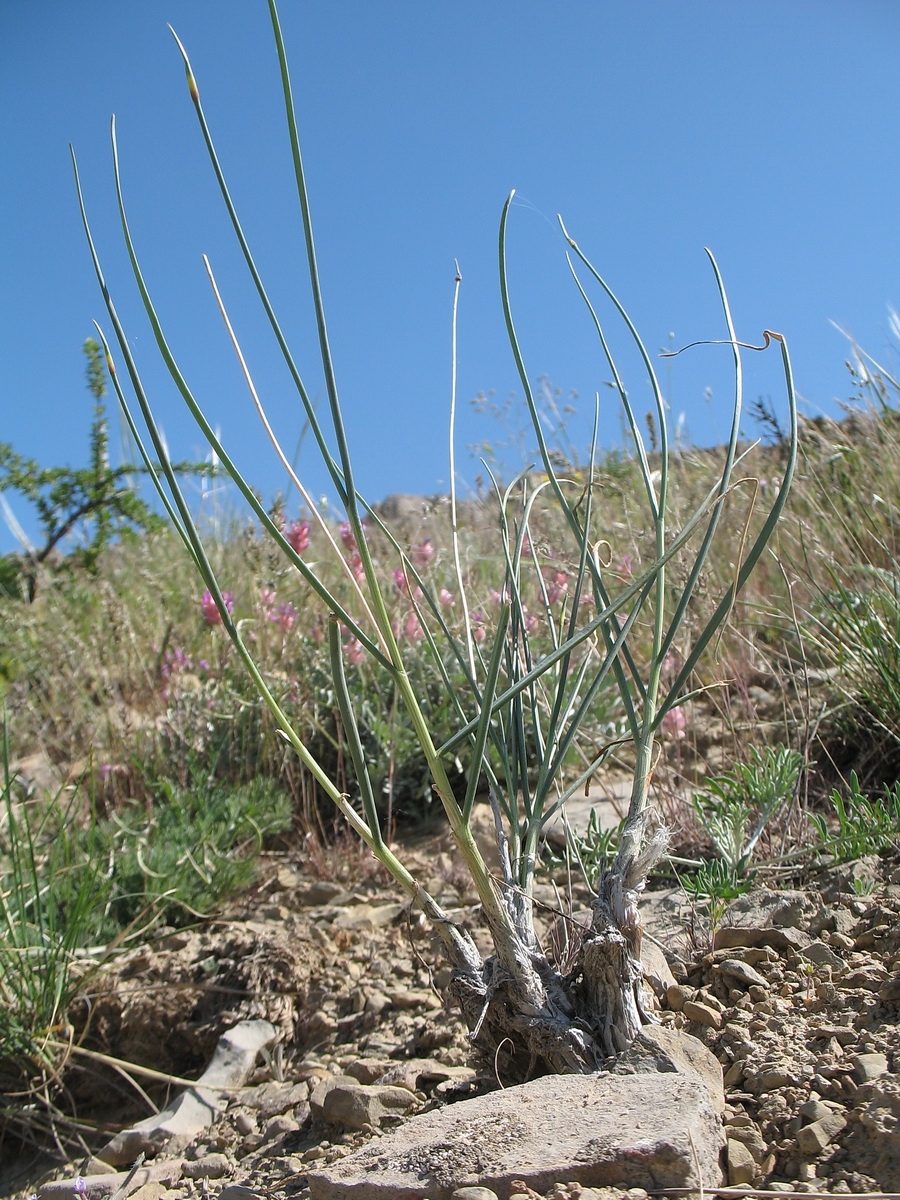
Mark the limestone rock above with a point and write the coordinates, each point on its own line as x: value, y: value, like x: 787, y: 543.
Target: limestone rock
x: 732, y: 936
x: 762, y: 907
x: 657, y: 971
x: 659, y: 1050
x: 703, y: 1014
x: 735, y: 970
x: 741, y: 1165
x: 815, y: 1137
x: 210, y: 1166
x: 370, y: 916
x: 419, y: 1074
x: 822, y: 954
x: 353, y: 1105
x: 648, y: 1129
x: 867, y: 1067
x: 101, y: 1187
x: 197, y: 1107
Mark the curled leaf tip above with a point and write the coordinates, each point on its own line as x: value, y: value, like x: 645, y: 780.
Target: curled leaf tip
x: 192, y: 88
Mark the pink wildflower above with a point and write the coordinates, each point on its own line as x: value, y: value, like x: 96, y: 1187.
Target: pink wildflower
x: 356, y: 567
x: 267, y: 598
x: 479, y: 633
x: 401, y: 583
x: 413, y: 628
x: 557, y: 583
x: 286, y: 616
x: 423, y: 554
x: 531, y: 621
x: 671, y: 664
x: 209, y: 609
x: 446, y: 598
x: 674, y: 723
x: 354, y: 650
x: 347, y: 535
x: 297, y: 536
x: 174, y: 661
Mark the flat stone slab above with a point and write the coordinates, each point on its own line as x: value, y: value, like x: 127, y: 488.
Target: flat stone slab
x: 655, y: 1130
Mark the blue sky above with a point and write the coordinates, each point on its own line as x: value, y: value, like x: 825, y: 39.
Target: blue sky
x: 765, y: 130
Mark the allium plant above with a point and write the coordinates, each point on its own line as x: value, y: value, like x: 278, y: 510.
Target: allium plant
x: 525, y: 1009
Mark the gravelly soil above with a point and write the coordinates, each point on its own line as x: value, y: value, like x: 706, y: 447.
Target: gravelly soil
x: 797, y: 995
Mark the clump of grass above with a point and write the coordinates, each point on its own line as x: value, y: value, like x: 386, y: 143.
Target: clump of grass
x: 190, y: 850
x: 76, y: 888
x: 50, y: 890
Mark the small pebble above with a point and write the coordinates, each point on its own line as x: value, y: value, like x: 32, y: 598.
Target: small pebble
x: 211, y: 1166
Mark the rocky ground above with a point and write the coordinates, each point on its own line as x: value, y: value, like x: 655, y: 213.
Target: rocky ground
x: 796, y: 993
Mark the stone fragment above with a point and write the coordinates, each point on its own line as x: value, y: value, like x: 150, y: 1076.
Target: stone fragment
x: 353, y: 1105
x: 210, y: 1166
x: 657, y: 971
x: 741, y: 1165
x: 150, y: 1191
x: 821, y: 953
x: 770, y: 1079
x: 812, y: 1139
x: 661, y: 1051
x: 196, y: 1107
x: 407, y: 998
x: 101, y: 1187
x: 473, y: 1193
x: 730, y: 936
x: 675, y: 997
x: 321, y: 891
x: 644, y: 1129
x: 234, y: 1191
x: 867, y: 1067
x: 369, y: 916
x: 733, y: 968
x: 703, y: 1014
x: 890, y: 989
x: 321, y: 1090
x: 419, y: 1074
x: 814, y: 1110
